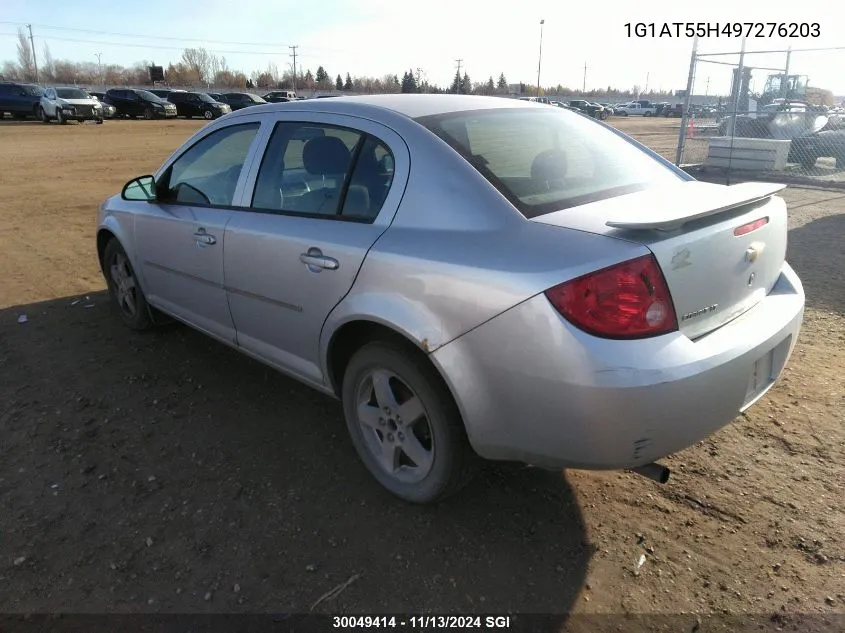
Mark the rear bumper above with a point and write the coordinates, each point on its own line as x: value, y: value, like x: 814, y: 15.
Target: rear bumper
x: 533, y: 388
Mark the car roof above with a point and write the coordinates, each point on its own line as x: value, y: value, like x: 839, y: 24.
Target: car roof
x: 410, y: 105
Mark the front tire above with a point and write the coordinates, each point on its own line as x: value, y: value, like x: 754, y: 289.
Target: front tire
x: 43, y: 115
x: 208, y: 114
x: 124, y: 289
x: 149, y: 114
x: 405, y: 424
x: 60, y: 117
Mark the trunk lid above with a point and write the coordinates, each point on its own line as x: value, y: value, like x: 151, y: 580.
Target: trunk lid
x: 717, y: 264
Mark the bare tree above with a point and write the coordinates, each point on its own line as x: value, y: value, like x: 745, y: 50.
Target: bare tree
x: 198, y: 60
x: 47, y: 65
x: 25, y: 59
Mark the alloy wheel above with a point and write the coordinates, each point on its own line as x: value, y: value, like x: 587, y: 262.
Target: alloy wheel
x: 124, y: 285
x: 395, y: 426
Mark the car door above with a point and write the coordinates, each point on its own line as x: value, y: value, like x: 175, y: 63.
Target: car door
x: 180, y: 237
x: 327, y: 187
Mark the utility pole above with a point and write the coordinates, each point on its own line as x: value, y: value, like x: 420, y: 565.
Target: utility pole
x: 293, y: 48
x: 679, y: 154
x: 458, y: 82
x: 584, y: 87
x: 540, y: 59
x: 646, y: 83
x: 707, y: 87
x: 34, y: 59
x: 99, y: 67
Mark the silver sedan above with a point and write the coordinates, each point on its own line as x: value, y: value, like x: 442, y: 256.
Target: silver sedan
x: 471, y: 277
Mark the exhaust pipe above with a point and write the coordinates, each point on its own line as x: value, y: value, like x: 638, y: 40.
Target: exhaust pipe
x: 654, y: 471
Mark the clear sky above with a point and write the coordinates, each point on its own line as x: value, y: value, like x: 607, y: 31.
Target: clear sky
x: 376, y: 37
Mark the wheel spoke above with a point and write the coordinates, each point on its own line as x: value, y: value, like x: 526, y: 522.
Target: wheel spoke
x: 129, y: 283
x: 411, y: 410
x: 384, y: 392
x: 419, y: 455
x: 368, y: 415
x: 389, y: 456
x: 129, y: 300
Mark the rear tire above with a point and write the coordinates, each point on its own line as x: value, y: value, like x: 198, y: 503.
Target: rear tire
x: 380, y: 380
x: 149, y: 115
x: 208, y: 114
x: 124, y: 288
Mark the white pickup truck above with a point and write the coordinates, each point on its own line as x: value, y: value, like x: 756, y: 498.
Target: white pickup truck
x: 636, y: 108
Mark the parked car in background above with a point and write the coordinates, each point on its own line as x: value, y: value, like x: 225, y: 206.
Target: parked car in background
x: 636, y: 108
x: 65, y: 104
x: 611, y: 109
x: 165, y: 92
x: 808, y: 148
x: 563, y: 331
x: 279, y: 96
x: 674, y: 110
x: 139, y: 103
x: 217, y: 96
x: 199, y: 104
x: 109, y: 111
x: 593, y: 109
x: 560, y: 104
x: 21, y: 100
x: 239, y: 100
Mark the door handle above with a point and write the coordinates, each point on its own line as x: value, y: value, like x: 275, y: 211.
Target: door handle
x: 202, y: 238
x: 316, y: 261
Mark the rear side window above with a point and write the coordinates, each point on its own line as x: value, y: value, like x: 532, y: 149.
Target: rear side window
x: 544, y: 160
x: 323, y: 170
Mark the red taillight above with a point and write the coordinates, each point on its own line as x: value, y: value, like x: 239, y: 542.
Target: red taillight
x: 751, y: 226
x: 628, y: 300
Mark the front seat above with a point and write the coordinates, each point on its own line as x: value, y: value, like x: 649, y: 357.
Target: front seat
x: 326, y: 157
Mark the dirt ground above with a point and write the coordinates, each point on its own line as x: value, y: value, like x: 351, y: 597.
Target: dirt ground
x: 162, y: 472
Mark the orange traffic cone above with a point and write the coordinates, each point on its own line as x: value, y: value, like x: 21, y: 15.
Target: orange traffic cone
x: 691, y: 127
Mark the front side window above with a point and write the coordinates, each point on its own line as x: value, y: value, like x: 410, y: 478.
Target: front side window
x: 317, y: 169
x: 208, y: 173
x: 547, y: 160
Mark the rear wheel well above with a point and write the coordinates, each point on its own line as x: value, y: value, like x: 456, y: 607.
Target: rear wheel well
x: 353, y: 336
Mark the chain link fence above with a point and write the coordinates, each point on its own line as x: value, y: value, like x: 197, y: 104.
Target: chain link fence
x: 774, y: 121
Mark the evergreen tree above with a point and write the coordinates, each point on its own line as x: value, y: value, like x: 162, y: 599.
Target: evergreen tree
x: 466, y: 85
x: 456, y: 83
x: 322, y: 75
x: 348, y: 85
x: 338, y: 84
x: 503, y: 83
x: 491, y: 87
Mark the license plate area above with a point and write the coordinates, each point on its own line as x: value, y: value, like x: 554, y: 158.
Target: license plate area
x: 765, y: 371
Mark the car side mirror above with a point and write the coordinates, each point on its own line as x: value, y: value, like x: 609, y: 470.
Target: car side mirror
x: 141, y: 189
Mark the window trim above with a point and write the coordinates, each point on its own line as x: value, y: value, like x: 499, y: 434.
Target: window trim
x: 353, y: 163
x: 164, y: 178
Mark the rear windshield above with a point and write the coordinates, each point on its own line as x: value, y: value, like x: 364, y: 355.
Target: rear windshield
x: 547, y: 159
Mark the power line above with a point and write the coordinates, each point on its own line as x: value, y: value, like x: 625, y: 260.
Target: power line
x: 138, y: 35
x: 149, y: 46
